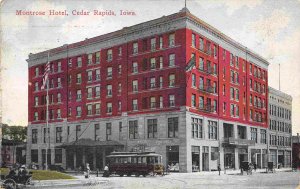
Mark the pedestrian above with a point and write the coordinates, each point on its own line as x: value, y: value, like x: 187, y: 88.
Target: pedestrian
x: 87, y: 169
x: 106, y: 171
x: 254, y: 165
x: 219, y: 169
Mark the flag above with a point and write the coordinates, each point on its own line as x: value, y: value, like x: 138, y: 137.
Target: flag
x: 190, y: 65
x: 46, y: 73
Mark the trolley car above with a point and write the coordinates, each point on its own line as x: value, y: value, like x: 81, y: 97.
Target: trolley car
x: 135, y: 163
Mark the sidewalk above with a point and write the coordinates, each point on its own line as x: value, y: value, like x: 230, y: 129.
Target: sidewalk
x: 79, y: 181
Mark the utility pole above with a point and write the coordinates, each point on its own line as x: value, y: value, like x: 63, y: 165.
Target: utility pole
x: 279, y: 76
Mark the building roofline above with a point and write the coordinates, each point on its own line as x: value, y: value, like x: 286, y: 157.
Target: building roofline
x: 279, y: 93
x: 184, y: 13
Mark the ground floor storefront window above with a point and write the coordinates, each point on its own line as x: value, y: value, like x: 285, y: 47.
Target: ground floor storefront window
x: 195, y: 158
x: 229, y: 158
x: 280, y: 158
x: 243, y: 155
x: 287, y: 158
x: 173, y: 158
x: 214, y: 157
x: 205, y: 158
x: 273, y: 157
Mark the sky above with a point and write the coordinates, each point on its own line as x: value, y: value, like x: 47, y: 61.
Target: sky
x: 270, y: 28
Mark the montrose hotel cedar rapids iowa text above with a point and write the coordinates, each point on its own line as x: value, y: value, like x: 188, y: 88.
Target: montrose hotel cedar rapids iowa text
x: 174, y: 85
x: 75, y: 13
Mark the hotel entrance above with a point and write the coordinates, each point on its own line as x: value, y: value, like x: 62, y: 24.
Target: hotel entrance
x: 229, y: 158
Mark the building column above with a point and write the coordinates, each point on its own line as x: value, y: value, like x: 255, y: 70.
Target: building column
x: 209, y: 158
x: 221, y: 157
x: 261, y: 159
x: 83, y: 157
x: 200, y: 159
x: 52, y: 152
x: 74, y: 154
x: 276, y: 158
x: 40, y: 161
x: 236, y: 158
x: 103, y: 157
x: 94, y: 158
x: 235, y: 131
x: 64, y: 158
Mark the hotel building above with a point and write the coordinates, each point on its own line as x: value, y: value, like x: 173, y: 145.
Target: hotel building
x: 174, y: 85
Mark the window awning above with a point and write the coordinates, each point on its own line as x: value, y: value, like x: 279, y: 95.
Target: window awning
x: 87, y: 142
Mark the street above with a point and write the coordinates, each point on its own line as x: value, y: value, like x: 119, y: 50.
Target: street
x: 200, y: 180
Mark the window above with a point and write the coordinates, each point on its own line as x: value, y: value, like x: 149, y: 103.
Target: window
x: 78, y: 111
x: 231, y: 76
x: 215, y: 106
x: 172, y: 80
x: 224, y: 107
x: 90, y: 59
x: 232, y: 110
x: 208, y: 47
x: 34, y: 136
x: 37, y: 71
x: 119, y: 88
x: 134, y: 104
x: 97, y: 57
x: 58, y: 155
x: 69, y: 112
x: 36, y: 86
x: 201, y: 64
x: 212, y: 130
x: 173, y: 127
x: 78, y: 129
x: 153, y: 102
x: 78, y: 97
x: 231, y: 59
x: 119, y: 106
x: 197, y: 128
x: 58, y: 114
x: 254, y: 134
x: 34, y: 156
x: 152, y: 82
x: 237, y: 62
x: 152, y: 63
x: 171, y: 100
x: 51, y: 83
x: 201, y: 83
x: 135, y: 67
x: 160, y: 82
x: 153, y: 44
x: 224, y: 91
x: 89, y: 109
x: 58, y: 134
x: 193, y: 40
x: 70, y: 62
x: 237, y: 111
x: 90, y: 92
x: 109, y: 107
x: 193, y: 100
x: 237, y: 77
x: 161, y: 103
x: 135, y: 48
x: 45, y: 134
x: 201, y: 102
x: 36, y: 116
x: 108, y: 131
x: 171, y: 60
x: 215, y: 51
x: 79, y: 61
x: 135, y: 85
x: 193, y: 80
x: 250, y: 68
x: 36, y: 101
x: 109, y: 90
x: 224, y: 54
x: 263, y: 136
x: 231, y: 93
x: 120, y: 51
x: 119, y: 69
x: 133, y: 129
x: 237, y: 94
x: 78, y: 78
x: 97, y: 109
x: 171, y: 40
x: 201, y: 44
x: 161, y: 63
x: 109, y: 55
x: 109, y: 72
x: 152, y: 128
x: 90, y: 76
x: 160, y: 42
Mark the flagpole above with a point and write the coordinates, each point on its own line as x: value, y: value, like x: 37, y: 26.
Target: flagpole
x: 47, y: 118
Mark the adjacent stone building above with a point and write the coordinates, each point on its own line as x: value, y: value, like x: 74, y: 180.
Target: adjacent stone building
x: 280, y: 128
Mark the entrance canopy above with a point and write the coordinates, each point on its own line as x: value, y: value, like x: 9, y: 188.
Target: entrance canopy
x: 87, y: 142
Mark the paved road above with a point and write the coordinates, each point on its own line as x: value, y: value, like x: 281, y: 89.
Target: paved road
x: 198, y: 181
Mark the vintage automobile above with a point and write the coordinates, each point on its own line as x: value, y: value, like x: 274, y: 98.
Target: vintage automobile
x: 135, y: 163
x: 14, y: 181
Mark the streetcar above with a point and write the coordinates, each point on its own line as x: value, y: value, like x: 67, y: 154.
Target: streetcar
x: 135, y: 163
